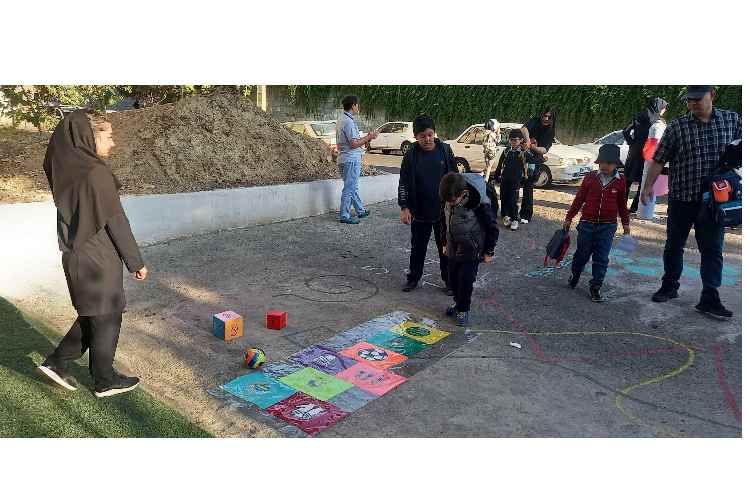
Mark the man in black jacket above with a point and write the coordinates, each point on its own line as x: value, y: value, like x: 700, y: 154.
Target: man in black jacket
x: 419, y: 196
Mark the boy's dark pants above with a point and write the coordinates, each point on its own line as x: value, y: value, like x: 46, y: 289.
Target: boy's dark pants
x: 462, y: 276
x: 99, y: 335
x: 509, y: 199
x: 594, y: 241
x: 681, y: 217
x: 420, y: 238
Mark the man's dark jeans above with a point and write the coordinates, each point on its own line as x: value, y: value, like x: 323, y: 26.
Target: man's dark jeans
x: 420, y: 238
x: 595, y: 242
x: 682, y: 216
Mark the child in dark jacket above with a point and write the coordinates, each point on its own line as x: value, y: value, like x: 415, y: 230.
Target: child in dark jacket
x: 602, y: 196
x: 512, y: 170
x: 468, y: 235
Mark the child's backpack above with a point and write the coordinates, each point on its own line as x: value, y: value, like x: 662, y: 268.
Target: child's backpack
x: 557, y: 247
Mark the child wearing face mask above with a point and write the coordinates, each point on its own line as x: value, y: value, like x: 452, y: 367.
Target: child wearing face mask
x: 468, y: 235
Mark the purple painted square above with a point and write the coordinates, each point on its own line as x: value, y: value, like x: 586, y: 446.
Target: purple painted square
x: 323, y: 359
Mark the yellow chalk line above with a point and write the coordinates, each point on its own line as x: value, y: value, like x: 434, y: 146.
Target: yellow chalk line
x: 627, y: 390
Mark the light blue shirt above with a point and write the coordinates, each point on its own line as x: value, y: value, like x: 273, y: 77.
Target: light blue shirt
x: 346, y: 131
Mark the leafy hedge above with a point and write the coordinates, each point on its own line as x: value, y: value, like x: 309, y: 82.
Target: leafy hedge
x: 584, y: 111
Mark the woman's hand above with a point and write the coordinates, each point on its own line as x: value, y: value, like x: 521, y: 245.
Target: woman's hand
x: 141, y: 274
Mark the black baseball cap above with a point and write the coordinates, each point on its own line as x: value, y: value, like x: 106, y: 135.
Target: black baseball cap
x: 696, y: 92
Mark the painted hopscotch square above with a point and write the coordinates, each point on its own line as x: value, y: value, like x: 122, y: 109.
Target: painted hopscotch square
x: 370, y: 379
x: 352, y: 399
x: 307, y: 413
x: 373, y: 355
x: 420, y: 332
x: 322, y: 359
x: 259, y: 389
x: 316, y: 383
x: 397, y: 343
x: 281, y: 368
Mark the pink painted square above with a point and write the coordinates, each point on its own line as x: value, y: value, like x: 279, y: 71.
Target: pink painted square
x: 374, y: 355
x: 370, y: 379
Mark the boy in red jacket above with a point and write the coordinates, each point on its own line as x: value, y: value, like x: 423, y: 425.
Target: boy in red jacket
x: 602, y: 196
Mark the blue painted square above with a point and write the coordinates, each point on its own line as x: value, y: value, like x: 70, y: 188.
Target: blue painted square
x: 259, y: 389
x: 281, y: 368
x: 352, y: 399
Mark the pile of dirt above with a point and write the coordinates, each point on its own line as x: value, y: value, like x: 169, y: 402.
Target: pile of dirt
x: 199, y: 143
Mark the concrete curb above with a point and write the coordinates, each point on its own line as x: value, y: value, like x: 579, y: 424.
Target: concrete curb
x: 29, y: 237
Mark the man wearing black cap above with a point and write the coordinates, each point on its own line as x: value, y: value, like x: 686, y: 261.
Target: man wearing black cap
x: 422, y: 169
x: 692, y: 144
x: 602, y: 196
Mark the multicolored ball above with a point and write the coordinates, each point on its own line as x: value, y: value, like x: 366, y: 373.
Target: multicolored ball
x: 254, y: 358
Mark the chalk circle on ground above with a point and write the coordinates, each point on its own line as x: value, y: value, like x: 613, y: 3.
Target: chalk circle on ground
x: 333, y: 288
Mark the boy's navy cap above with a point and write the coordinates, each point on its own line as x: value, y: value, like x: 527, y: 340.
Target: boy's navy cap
x: 696, y: 92
x: 609, y: 153
x: 516, y: 133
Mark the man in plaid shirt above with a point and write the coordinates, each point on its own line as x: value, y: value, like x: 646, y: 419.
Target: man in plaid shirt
x: 692, y: 145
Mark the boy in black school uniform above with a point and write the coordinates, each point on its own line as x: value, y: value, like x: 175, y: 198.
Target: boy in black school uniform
x: 512, y: 171
x: 468, y: 234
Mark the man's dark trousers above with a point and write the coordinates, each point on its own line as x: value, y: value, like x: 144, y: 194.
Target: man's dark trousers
x: 420, y: 238
x: 681, y: 217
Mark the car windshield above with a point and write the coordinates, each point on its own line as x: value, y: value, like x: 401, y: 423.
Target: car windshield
x: 323, y: 129
x: 613, y: 138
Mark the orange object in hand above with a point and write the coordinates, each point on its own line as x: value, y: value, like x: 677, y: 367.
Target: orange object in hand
x: 722, y: 189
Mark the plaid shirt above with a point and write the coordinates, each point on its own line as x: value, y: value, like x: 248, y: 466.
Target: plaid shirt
x: 692, y: 148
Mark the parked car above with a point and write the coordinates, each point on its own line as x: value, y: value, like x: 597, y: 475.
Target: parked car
x: 393, y: 137
x: 324, y: 130
x: 615, y: 138
x: 563, y: 164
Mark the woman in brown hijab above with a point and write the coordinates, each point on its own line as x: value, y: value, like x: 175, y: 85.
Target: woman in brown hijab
x: 95, y: 239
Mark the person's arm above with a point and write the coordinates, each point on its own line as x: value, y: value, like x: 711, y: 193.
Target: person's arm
x: 499, y: 169
x: 452, y: 166
x: 627, y: 132
x: 575, y: 207
x: 488, y: 221
x: 622, y: 207
x: 404, y: 186
x: 118, y: 229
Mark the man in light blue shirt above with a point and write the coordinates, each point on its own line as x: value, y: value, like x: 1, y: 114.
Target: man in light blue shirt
x: 350, y: 160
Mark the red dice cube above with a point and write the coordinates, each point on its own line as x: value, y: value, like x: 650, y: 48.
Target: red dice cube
x: 276, y: 320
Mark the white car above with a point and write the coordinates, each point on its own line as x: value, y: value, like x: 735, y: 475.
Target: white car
x: 324, y: 130
x: 393, y: 136
x: 563, y: 162
x: 615, y: 138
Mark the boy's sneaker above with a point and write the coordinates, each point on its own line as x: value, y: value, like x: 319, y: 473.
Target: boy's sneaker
x: 410, y: 285
x: 59, y: 376
x: 364, y: 214
x: 596, y: 295
x: 514, y: 225
x: 715, y: 309
x: 451, y: 311
x: 350, y: 221
x: 664, y: 294
x: 462, y: 318
x: 524, y: 221
x: 506, y: 221
x: 121, y: 384
x: 573, y: 280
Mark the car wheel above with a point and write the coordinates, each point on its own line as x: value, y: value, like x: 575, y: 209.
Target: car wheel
x: 545, y: 177
x: 463, y: 165
x: 405, y: 147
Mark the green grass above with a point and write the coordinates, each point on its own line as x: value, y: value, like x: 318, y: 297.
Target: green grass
x: 31, y: 406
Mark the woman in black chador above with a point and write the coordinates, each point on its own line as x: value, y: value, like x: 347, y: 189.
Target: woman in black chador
x: 95, y: 239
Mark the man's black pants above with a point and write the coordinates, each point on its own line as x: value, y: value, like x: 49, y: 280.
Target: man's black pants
x: 420, y: 238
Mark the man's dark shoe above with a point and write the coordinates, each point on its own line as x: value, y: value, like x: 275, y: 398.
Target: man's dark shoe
x: 596, y: 295
x: 350, y: 221
x: 451, y: 311
x: 664, y: 294
x: 59, y: 376
x: 447, y: 290
x: 410, y: 285
x: 120, y: 385
x: 715, y: 309
x: 573, y: 280
x: 364, y: 214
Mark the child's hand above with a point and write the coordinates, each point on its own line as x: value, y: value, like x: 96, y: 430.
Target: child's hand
x: 489, y: 258
x: 566, y: 225
x: 445, y: 250
x: 626, y: 229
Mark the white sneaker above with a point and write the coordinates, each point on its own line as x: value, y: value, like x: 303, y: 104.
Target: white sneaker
x: 524, y: 221
x: 514, y: 225
x: 506, y: 221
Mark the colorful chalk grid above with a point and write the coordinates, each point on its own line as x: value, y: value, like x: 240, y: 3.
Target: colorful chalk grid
x: 352, y: 399
x: 397, y: 343
x: 420, y: 332
x: 309, y: 414
x: 373, y: 355
x: 316, y: 383
x: 370, y: 379
x: 259, y: 388
x: 322, y: 359
x: 281, y: 368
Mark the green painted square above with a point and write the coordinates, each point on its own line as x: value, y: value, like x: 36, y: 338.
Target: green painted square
x: 397, y: 343
x: 316, y: 383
